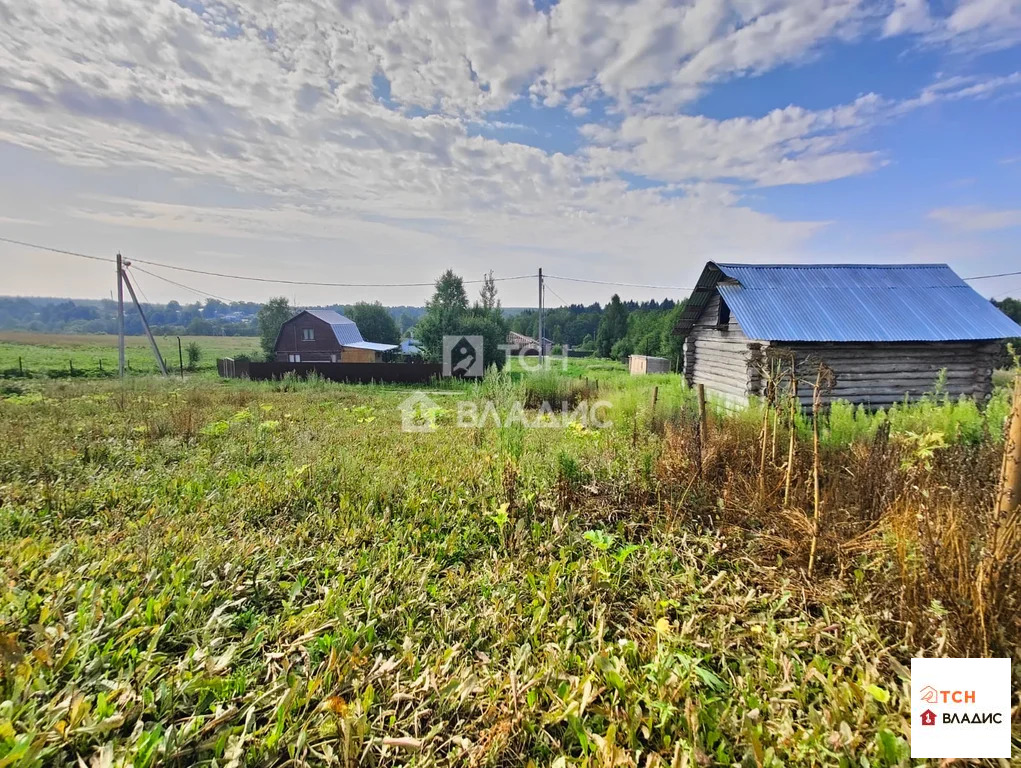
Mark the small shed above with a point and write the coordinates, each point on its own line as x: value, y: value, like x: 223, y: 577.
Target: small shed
x: 886, y: 330
x: 325, y: 336
x: 639, y: 365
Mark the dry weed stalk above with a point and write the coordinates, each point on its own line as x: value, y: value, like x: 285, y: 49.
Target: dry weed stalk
x: 824, y: 381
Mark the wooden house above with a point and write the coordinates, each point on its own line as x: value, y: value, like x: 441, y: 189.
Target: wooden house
x: 519, y: 344
x: 886, y: 331
x: 325, y: 336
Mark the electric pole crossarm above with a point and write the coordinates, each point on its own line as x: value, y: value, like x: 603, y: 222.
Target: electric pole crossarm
x: 145, y: 324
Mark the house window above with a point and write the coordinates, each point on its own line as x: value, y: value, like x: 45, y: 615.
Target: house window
x: 308, y: 334
x: 294, y: 358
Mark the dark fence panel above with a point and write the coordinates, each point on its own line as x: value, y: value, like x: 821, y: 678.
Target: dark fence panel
x: 356, y: 373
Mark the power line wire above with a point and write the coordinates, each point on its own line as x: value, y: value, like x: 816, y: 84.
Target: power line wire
x: 138, y: 285
x: 283, y: 281
x: 565, y: 301
x: 986, y: 277
x: 179, y: 285
x: 56, y: 250
x: 252, y: 278
x: 621, y: 285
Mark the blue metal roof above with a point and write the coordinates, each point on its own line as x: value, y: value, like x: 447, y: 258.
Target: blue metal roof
x: 850, y: 302
x: 344, y: 328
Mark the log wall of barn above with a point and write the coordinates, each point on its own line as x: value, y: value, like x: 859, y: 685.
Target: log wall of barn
x: 878, y: 374
x: 719, y: 357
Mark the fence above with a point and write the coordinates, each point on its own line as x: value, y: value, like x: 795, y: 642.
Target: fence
x: 355, y: 373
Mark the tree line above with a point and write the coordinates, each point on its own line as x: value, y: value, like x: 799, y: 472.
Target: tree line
x: 619, y: 329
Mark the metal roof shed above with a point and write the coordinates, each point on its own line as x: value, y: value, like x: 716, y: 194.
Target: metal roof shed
x: 887, y: 330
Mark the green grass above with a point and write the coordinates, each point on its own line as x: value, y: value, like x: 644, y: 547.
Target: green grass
x: 273, y: 573
x: 42, y: 353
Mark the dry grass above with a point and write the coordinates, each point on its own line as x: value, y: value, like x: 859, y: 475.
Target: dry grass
x: 909, y: 518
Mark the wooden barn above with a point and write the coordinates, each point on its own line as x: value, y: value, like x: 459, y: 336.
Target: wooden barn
x: 886, y: 331
x: 325, y: 336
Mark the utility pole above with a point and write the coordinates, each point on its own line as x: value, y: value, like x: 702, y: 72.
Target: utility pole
x: 542, y: 348
x: 120, y: 315
x: 145, y: 324
x: 180, y: 356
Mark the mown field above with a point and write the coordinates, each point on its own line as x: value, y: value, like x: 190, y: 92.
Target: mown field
x: 43, y: 354
x: 230, y: 573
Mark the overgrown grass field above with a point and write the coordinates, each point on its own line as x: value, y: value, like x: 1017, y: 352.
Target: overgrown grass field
x: 96, y: 354
x: 230, y: 573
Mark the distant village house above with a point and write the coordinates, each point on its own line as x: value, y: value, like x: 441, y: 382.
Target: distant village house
x: 525, y: 345
x: 325, y: 336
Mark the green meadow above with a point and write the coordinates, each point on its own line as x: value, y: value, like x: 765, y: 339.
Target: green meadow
x: 232, y: 573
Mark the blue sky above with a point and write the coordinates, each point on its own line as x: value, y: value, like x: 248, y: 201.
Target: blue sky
x: 621, y: 141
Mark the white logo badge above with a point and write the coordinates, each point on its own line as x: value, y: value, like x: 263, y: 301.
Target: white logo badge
x: 960, y: 708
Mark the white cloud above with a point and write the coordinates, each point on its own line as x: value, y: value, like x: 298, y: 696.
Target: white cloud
x: 908, y: 16
x: 356, y: 122
x: 786, y: 146
x: 966, y: 24
x: 977, y: 218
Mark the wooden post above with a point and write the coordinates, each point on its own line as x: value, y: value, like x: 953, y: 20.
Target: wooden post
x: 100, y: 365
x: 120, y: 315
x: 703, y: 422
x: 145, y: 324
x: 1009, y: 496
x: 794, y: 404
x: 703, y: 428
x: 816, y: 407
x: 21, y: 367
x: 763, y: 441
x: 180, y: 356
x: 655, y: 396
x: 70, y: 366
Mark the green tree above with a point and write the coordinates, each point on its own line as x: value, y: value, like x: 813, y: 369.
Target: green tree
x: 487, y: 294
x: 443, y: 314
x: 612, y: 327
x: 672, y: 345
x: 375, y: 322
x: 493, y: 330
x: 271, y: 317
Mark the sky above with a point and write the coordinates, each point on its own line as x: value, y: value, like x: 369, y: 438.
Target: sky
x: 384, y: 142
